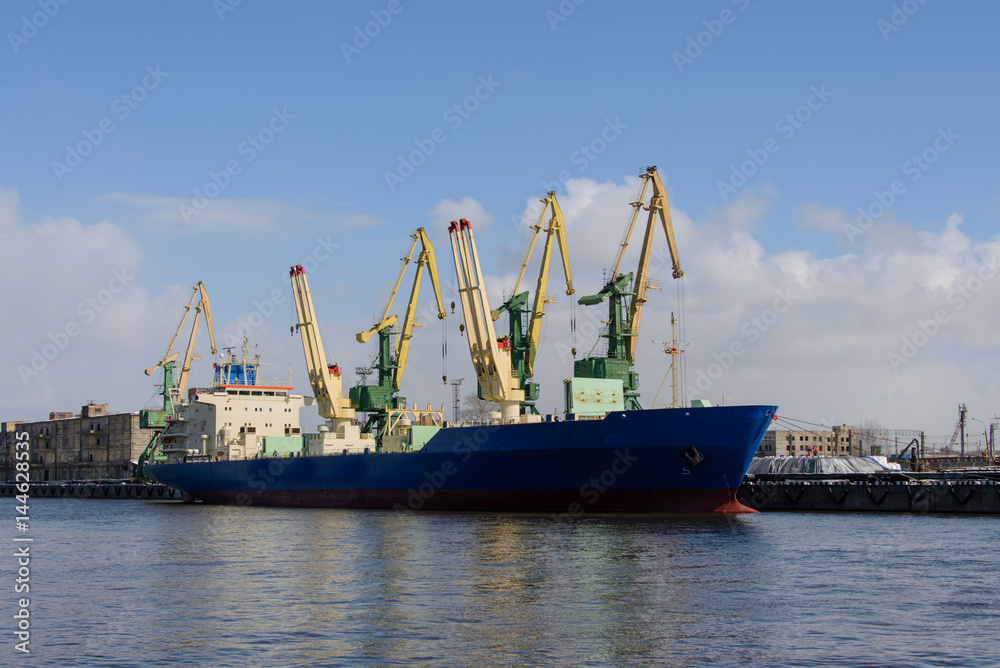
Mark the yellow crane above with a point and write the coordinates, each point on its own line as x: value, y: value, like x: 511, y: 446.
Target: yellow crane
x: 173, y: 392
x: 623, y: 325
x: 325, y: 379
x: 524, y: 346
x: 169, y: 358
x: 491, y: 358
x: 390, y: 364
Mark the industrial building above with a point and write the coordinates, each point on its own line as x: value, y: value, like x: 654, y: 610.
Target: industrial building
x: 841, y: 440
x: 93, y: 445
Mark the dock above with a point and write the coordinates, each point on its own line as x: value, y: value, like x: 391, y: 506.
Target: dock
x: 94, y: 490
x: 961, y: 491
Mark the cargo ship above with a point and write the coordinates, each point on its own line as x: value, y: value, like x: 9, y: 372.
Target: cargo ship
x: 677, y: 460
x: 240, y: 442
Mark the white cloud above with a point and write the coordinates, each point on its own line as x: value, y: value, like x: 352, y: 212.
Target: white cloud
x: 924, y: 296
x: 448, y: 210
x: 830, y: 351
x: 80, y: 322
x: 815, y: 216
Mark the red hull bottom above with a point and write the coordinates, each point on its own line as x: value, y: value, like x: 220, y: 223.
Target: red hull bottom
x: 571, y: 503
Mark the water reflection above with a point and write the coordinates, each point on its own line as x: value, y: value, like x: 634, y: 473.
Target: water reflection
x: 121, y: 583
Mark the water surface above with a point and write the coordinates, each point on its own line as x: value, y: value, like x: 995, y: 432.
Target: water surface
x: 130, y: 583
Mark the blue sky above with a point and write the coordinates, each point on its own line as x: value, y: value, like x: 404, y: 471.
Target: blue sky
x: 696, y: 89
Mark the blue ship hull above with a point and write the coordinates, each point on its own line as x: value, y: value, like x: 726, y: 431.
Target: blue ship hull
x: 685, y: 460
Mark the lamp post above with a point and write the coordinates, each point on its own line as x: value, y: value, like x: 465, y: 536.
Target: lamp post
x: 985, y: 434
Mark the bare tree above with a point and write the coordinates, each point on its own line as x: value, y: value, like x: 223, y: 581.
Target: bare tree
x: 475, y: 409
x: 872, y: 436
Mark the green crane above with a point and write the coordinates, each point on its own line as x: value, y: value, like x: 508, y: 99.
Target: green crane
x: 172, y: 392
x: 377, y: 400
x: 525, y: 326
x: 626, y: 295
x: 155, y: 419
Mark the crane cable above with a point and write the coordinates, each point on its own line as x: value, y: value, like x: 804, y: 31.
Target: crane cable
x: 444, y: 351
x: 572, y: 325
x: 682, y: 368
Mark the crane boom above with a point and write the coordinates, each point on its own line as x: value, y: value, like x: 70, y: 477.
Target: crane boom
x: 491, y: 361
x: 379, y: 399
x: 658, y: 207
x: 324, y: 378
x: 170, y: 357
x: 189, y: 353
x: 524, y: 336
x: 556, y: 230
x: 426, y: 258
x: 390, y: 320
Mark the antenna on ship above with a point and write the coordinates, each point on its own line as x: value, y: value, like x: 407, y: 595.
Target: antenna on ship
x: 455, y: 401
x: 674, y: 349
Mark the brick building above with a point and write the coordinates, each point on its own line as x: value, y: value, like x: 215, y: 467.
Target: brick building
x: 94, y: 445
x: 841, y: 440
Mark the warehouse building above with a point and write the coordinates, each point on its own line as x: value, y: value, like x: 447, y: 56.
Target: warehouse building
x: 91, y: 445
x: 841, y: 440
